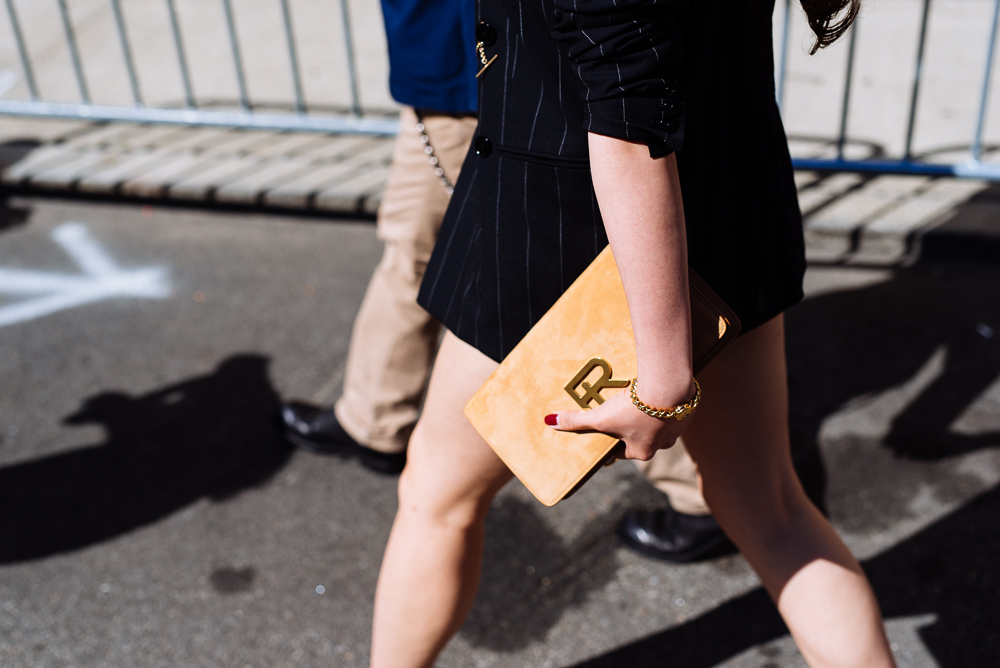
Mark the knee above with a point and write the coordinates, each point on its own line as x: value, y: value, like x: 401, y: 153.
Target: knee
x: 789, y: 520
x: 767, y: 515
x: 427, y: 497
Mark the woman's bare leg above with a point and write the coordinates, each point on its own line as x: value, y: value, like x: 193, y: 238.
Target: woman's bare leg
x: 739, y: 439
x: 431, y: 567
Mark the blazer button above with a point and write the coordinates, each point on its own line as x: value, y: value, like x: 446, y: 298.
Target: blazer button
x: 486, y: 34
x: 484, y: 147
x: 669, y: 126
x: 673, y: 109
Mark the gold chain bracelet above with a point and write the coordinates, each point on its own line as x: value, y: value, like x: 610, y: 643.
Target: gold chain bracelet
x: 680, y: 412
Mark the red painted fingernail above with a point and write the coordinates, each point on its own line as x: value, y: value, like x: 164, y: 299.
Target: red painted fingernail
x: 552, y: 420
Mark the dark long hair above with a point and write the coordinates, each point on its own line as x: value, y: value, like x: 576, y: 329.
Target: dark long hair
x: 829, y: 19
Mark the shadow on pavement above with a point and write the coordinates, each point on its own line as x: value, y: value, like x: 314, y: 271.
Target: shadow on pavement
x: 12, y: 152
x: 15, y: 150
x: 950, y: 569
x: 211, y: 436
x: 11, y: 216
x: 531, y: 575
x: 969, y: 232
x: 933, y: 329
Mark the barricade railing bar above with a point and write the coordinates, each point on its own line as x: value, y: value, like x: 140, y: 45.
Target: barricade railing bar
x: 356, y: 119
x: 182, y: 61
x: 973, y: 167
x: 301, y: 117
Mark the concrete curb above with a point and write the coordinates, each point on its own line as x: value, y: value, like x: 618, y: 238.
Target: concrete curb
x: 337, y: 174
x: 848, y: 218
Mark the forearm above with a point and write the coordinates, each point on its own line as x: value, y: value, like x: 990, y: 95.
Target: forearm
x: 641, y: 205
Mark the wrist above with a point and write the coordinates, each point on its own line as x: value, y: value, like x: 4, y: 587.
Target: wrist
x: 666, y: 390
x: 678, y: 411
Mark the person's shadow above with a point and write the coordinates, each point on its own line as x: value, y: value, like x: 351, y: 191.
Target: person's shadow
x: 936, y: 331
x: 532, y: 574
x: 11, y: 217
x: 12, y: 152
x: 212, y: 436
x: 933, y: 328
x: 950, y: 570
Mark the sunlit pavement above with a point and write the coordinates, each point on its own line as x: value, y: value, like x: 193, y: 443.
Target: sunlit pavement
x: 151, y: 516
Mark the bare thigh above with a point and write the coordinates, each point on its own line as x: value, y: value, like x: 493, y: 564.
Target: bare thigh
x: 739, y: 436
x: 449, y: 463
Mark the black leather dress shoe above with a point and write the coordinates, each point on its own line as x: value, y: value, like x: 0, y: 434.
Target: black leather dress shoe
x: 672, y: 536
x: 317, y: 430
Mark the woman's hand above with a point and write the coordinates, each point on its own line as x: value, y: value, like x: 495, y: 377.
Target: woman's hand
x: 640, y: 201
x: 642, y: 434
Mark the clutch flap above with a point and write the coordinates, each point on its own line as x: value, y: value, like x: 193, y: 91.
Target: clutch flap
x: 576, y: 356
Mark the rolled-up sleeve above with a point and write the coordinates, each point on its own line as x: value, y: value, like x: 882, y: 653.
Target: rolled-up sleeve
x: 628, y: 56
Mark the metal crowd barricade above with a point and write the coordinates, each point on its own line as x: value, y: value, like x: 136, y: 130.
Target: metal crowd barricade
x: 302, y: 118
x: 974, y: 167
x: 191, y: 114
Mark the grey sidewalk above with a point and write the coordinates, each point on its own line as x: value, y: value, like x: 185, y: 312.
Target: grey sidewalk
x: 848, y: 217
x: 151, y: 517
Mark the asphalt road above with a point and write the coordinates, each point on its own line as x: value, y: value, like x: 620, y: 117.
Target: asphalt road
x: 151, y: 516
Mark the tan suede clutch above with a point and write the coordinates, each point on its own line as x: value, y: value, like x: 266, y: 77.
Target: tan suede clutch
x: 576, y: 356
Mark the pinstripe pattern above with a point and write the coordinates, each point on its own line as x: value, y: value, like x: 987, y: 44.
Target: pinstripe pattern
x: 497, y: 232
x: 473, y: 296
x: 538, y: 108
x: 524, y: 221
x: 559, y: 67
x: 562, y: 248
x: 506, y: 80
x: 451, y: 235
x: 527, y: 244
x: 447, y: 248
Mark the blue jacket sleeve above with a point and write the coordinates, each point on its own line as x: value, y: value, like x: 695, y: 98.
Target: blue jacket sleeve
x: 628, y: 56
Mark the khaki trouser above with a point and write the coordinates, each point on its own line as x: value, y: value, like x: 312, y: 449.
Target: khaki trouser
x: 674, y: 473
x: 394, y: 339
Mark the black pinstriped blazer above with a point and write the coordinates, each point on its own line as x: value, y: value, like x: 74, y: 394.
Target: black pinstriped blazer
x: 695, y: 77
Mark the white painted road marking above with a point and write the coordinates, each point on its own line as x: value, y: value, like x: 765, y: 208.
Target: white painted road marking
x: 8, y: 79
x: 101, y: 279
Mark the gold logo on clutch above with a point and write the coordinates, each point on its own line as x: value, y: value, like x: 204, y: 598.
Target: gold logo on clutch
x: 592, y: 391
